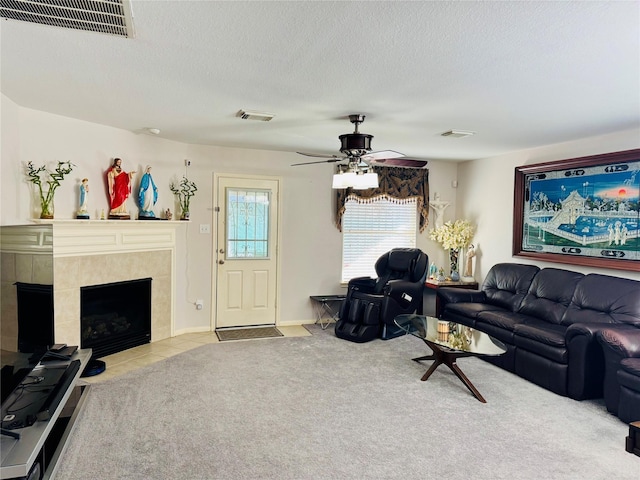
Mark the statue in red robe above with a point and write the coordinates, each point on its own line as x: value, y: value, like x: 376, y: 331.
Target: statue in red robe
x: 119, y: 183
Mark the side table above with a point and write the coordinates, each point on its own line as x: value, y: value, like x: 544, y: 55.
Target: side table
x: 430, y: 291
x: 633, y: 440
x: 327, y: 307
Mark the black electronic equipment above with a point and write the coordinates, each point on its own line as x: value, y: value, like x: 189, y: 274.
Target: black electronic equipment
x: 38, y: 392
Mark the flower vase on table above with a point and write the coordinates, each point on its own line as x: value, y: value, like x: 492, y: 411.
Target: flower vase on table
x: 453, y: 236
x: 52, y: 179
x: 453, y: 263
x: 184, y: 191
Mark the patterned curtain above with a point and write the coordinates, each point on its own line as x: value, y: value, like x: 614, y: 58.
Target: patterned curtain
x: 396, y: 184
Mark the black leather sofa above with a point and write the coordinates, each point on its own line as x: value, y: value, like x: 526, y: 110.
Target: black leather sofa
x: 621, y: 346
x: 548, y: 319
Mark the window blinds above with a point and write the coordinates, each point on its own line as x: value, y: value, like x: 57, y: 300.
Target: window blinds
x: 373, y: 228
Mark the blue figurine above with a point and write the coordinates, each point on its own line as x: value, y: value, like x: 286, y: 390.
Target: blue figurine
x: 148, y: 195
x: 83, y: 213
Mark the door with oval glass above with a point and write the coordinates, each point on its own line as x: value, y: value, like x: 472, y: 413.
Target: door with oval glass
x: 246, y: 253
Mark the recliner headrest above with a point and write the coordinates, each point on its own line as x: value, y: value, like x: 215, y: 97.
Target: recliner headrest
x: 409, y: 263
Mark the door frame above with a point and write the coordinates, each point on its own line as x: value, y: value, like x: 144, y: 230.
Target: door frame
x: 217, y: 209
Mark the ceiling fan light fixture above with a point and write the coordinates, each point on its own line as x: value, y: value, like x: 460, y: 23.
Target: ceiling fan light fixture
x: 355, y: 144
x: 354, y: 179
x: 366, y: 180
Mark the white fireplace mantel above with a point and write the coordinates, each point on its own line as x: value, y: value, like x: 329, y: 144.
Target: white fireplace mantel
x: 92, y: 237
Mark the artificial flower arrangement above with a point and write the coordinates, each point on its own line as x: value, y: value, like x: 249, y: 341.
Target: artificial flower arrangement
x: 453, y: 235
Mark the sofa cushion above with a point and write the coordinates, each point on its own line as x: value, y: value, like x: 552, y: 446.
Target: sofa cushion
x: 472, y: 310
x: 604, y: 299
x: 502, y: 319
x: 550, y: 293
x: 629, y: 374
x: 631, y: 366
x: 506, y: 284
x: 543, y: 332
x: 543, y: 338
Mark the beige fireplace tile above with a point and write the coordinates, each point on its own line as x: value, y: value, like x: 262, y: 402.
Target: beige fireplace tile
x: 8, y: 294
x: 123, y: 357
x: 94, y: 269
x: 160, y: 263
x: 164, y: 350
x: 160, y: 332
x: 67, y: 272
x: 67, y: 305
x: 147, y: 360
x: 43, y: 269
x: 67, y: 332
x: 9, y: 324
x: 24, y: 268
x: 9, y: 343
x: 8, y: 266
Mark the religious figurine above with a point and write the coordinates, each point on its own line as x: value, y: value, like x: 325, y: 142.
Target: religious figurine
x: 83, y: 213
x: 439, y: 208
x: 468, y: 266
x: 168, y: 215
x: 148, y: 195
x: 119, y: 183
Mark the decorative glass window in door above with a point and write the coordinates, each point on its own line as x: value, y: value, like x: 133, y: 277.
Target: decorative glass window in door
x: 247, y: 223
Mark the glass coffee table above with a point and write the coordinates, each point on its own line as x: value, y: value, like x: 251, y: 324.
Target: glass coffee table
x: 449, y: 341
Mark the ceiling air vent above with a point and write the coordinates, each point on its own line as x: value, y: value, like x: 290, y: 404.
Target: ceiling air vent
x: 457, y: 133
x: 265, y: 117
x: 112, y: 17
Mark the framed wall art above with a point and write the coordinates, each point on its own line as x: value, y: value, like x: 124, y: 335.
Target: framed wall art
x: 581, y: 211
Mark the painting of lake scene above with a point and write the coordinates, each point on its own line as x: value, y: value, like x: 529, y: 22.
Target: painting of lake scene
x: 590, y: 211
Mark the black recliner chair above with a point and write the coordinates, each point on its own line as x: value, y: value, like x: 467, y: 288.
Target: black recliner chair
x: 373, y: 303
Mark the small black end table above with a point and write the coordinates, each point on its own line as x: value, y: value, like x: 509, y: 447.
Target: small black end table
x: 327, y: 307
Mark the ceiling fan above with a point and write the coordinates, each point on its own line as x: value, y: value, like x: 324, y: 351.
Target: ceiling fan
x: 356, y: 150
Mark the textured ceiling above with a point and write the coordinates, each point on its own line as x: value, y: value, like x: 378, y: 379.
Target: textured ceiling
x: 520, y: 74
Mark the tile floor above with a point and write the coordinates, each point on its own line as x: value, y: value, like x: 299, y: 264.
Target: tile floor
x: 137, y: 357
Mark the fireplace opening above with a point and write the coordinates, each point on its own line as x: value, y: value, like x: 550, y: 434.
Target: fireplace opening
x: 35, y: 317
x: 115, y: 316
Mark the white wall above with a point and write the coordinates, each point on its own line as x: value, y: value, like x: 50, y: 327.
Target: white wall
x: 311, y: 247
x: 485, y: 196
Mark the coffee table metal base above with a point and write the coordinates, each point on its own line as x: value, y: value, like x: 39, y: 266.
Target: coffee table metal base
x: 448, y: 358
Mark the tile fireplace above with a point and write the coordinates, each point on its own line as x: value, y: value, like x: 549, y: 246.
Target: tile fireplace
x: 72, y: 254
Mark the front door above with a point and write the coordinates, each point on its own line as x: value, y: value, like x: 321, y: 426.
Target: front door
x: 246, y: 250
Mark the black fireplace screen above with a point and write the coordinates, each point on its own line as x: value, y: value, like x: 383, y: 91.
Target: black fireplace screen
x: 115, y: 316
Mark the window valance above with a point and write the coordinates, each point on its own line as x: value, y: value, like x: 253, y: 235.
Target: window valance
x: 396, y: 184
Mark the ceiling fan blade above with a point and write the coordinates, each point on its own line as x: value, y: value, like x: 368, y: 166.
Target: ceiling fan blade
x: 399, y: 162
x: 318, y: 155
x: 331, y: 160
x: 382, y: 154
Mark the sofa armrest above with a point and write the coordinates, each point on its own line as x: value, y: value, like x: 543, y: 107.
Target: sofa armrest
x: 404, y: 292
x: 618, y: 342
x: 365, y: 284
x: 459, y: 295
x: 623, y: 341
x: 585, y: 361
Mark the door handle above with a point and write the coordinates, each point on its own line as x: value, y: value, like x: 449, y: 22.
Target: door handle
x: 221, y: 250
x: 220, y: 262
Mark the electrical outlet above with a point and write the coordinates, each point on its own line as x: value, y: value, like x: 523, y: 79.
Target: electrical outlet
x: 199, y: 304
x: 205, y: 228
x: 187, y: 163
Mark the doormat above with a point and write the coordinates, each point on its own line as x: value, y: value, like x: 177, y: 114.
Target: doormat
x: 247, y: 333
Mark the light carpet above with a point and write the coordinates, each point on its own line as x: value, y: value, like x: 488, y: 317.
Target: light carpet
x: 318, y: 407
